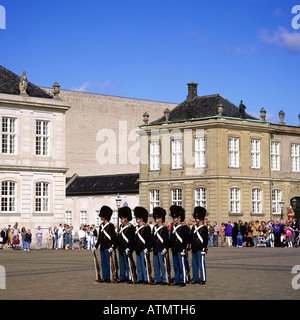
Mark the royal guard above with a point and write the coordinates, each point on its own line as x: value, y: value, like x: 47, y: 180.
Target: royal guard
x: 179, y: 243
x: 125, y: 246
x: 142, y: 246
x: 107, y: 241
x: 199, y: 241
x: 160, y: 245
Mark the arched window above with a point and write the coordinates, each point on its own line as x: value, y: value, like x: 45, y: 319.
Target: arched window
x: 177, y: 197
x: 42, y: 196
x: 8, y: 196
x: 235, y: 200
x: 200, y: 197
x: 256, y: 200
x: 276, y: 198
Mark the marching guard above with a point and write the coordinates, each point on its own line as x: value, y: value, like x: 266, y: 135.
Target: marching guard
x: 107, y: 242
x: 179, y: 242
x: 142, y: 246
x: 160, y: 245
x: 199, y: 241
x: 126, y: 245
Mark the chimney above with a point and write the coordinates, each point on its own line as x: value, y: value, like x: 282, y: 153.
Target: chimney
x: 192, y: 87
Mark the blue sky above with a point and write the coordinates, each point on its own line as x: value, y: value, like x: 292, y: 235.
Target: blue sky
x: 242, y: 49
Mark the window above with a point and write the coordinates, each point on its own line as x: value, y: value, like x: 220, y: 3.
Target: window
x: 68, y: 218
x: 235, y: 200
x: 154, y: 199
x: 97, y: 219
x: 255, y: 154
x: 276, y: 198
x: 177, y: 197
x: 42, y: 138
x: 234, y: 152
x: 295, y: 157
x: 8, y: 196
x: 9, y: 136
x: 177, y: 154
x: 275, y: 156
x: 154, y: 156
x: 200, y: 197
x: 256, y: 201
x: 83, y: 217
x: 200, y: 152
x: 42, y: 197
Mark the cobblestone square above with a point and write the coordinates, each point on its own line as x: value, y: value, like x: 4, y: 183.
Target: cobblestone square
x: 232, y: 274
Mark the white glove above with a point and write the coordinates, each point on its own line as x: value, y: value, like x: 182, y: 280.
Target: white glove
x: 145, y: 250
x: 164, y: 251
x: 93, y: 249
x: 110, y: 250
x: 127, y: 251
x: 183, y: 253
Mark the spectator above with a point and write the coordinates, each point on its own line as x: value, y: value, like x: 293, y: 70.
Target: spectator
x: 235, y: 231
x: 23, y: 233
x: 3, y: 236
x: 288, y: 234
x: 81, y: 236
x: 254, y: 229
x: 50, y: 238
x: 210, y: 231
x: 55, y: 237
x: 73, y: 234
x: 10, y: 236
x: 277, y: 233
x: 244, y: 231
x: 222, y: 234
x: 68, y: 236
x: 60, y: 236
x: 39, y: 238
x: 228, y: 233
x: 28, y: 238
x: 215, y: 234
x: 16, y: 243
x: 249, y: 235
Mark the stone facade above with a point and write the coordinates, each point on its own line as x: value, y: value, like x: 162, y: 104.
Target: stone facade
x: 258, y: 185
x: 32, y: 163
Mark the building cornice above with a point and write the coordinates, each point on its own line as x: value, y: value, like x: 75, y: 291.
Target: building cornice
x: 33, y: 169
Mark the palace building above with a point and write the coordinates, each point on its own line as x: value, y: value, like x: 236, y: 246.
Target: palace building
x: 207, y: 151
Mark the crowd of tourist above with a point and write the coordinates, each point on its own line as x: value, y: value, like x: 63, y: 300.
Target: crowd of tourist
x: 281, y: 233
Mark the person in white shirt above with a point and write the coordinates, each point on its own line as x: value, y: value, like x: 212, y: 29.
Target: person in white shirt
x: 81, y: 236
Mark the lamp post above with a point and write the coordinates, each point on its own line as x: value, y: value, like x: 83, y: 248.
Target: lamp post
x: 118, y: 203
x: 281, y: 206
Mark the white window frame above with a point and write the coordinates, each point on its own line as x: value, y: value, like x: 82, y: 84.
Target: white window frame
x: 177, y: 197
x: 295, y: 157
x: 83, y: 217
x: 154, y: 156
x: 235, y: 200
x: 276, y: 198
x: 200, y: 152
x: 200, y: 197
x: 42, y: 200
x: 9, y: 137
x: 177, y: 154
x: 255, y: 154
x: 69, y: 218
x: 42, y: 138
x: 275, y: 156
x: 154, y: 199
x: 234, y: 152
x: 8, y: 196
x: 256, y: 196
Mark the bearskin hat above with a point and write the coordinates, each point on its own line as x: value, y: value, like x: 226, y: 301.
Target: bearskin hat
x: 105, y: 212
x: 125, y: 212
x: 177, y: 212
x: 141, y: 213
x: 159, y: 213
x: 199, y: 213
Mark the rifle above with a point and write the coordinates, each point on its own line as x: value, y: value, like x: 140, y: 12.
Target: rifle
x: 187, y: 267
x: 116, y: 266
x: 97, y: 267
x: 148, y: 268
x: 131, y: 267
x: 167, y: 267
x: 112, y: 267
